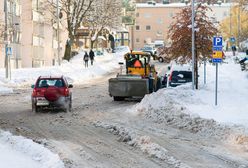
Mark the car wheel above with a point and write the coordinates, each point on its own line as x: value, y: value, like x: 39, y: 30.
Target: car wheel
x: 70, y: 105
x: 160, y: 59
x: 34, y: 108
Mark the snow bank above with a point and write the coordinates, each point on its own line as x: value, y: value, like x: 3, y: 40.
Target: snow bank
x: 5, y: 90
x: 19, y: 152
x: 144, y: 143
x: 195, y: 111
x: 74, y: 70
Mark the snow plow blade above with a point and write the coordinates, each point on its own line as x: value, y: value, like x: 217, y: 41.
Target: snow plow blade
x: 123, y: 87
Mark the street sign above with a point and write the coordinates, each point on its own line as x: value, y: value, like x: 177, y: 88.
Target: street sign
x: 217, y: 48
x: 232, y: 39
x: 217, y: 54
x: 217, y: 42
x: 9, y: 51
x: 216, y: 60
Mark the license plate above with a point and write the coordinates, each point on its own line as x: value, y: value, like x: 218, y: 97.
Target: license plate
x: 42, y: 103
x: 180, y: 80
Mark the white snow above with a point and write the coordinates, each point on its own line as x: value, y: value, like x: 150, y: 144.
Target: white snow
x: 19, y: 152
x: 144, y: 143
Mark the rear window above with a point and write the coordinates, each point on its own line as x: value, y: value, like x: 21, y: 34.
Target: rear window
x: 50, y: 82
x: 182, y: 74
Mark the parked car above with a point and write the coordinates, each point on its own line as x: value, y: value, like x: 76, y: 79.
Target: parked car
x: 151, y: 50
x: 51, y: 92
x: 121, y: 49
x: 244, y: 45
x: 177, y: 75
x: 163, y: 54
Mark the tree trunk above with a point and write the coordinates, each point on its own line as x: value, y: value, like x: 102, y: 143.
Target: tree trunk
x: 68, y: 55
x: 92, y: 44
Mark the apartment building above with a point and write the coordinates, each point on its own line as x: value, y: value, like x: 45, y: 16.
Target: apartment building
x: 152, y: 21
x: 33, y: 34
x: 14, y: 32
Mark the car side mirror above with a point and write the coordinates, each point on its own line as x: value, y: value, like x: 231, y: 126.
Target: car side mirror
x: 70, y: 86
x: 32, y: 86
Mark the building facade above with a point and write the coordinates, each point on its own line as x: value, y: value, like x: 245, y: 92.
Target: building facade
x: 152, y: 22
x: 32, y: 34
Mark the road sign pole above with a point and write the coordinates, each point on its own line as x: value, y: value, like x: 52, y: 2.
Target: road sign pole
x: 6, y: 40
x: 216, y: 84
x: 217, y: 58
x: 205, y: 71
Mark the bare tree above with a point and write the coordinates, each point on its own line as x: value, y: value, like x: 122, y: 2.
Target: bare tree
x: 180, y: 36
x: 105, y: 14
x: 75, y: 12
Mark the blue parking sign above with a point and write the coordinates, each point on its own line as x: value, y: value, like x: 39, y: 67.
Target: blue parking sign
x: 9, y: 51
x: 217, y: 42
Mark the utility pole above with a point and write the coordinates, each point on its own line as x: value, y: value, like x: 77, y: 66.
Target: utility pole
x: 193, y: 43
x: 6, y: 40
x: 58, y: 39
x: 230, y: 18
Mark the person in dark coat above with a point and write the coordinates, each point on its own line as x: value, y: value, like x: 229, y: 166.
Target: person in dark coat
x: 92, y: 55
x: 86, y: 59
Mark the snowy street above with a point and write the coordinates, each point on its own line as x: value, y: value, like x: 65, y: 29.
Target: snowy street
x: 156, y: 132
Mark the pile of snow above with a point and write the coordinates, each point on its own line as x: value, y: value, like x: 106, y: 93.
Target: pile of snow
x: 74, y: 70
x: 19, y: 152
x: 144, y: 143
x: 195, y: 110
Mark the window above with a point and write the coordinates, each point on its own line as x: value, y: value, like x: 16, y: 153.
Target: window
x: 137, y: 14
x: 137, y: 40
x: 38, y: 41
x: 148, y: 27
x: 137, y: 27
x: 171, y: 15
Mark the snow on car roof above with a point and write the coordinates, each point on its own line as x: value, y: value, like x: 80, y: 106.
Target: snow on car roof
x: 179, y: 67
x: 47, y: 77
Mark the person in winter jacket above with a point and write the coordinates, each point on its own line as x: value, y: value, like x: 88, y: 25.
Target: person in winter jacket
x: 86, y: 59
x: 92, y: 55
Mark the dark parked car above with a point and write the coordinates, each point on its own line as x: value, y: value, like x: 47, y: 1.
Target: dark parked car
x: 178, y: 76
x: 51, y: 92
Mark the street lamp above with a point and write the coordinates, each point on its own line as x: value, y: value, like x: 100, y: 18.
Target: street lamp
x: 58, y: 40
x: 6, y: 40
x: 193, y: 43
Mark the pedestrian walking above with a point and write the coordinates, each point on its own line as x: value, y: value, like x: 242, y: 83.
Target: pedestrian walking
x: 92, y: 55
x: 86, y: 59
x: 234, y: 49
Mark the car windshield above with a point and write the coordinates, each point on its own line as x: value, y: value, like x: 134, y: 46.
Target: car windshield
x: 50, y: 82
x: 147, y: 48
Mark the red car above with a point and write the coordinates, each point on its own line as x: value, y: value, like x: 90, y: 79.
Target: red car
x: 53, y: 92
